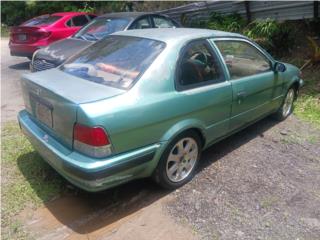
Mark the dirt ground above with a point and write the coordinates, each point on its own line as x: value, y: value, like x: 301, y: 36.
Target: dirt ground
x: 262, y: 183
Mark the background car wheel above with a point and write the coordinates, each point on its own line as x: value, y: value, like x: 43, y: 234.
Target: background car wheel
x: 178, y: 162
x: 287, y: 106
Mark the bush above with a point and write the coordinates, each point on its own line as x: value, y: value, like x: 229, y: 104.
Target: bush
x: 230, y: 23
x: 277, y: 38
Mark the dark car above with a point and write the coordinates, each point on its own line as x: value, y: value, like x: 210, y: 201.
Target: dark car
x: 55, y: 54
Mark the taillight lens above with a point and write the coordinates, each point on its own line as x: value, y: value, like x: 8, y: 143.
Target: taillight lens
x: 42, y: 34
x: 92, y: 141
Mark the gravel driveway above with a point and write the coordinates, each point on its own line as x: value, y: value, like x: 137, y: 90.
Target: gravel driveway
x: 262, y: 183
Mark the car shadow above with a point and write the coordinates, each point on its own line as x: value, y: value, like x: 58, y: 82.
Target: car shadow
x: 85, y: 212
x: 20, y: 66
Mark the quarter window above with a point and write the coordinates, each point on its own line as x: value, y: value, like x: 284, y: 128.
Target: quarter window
x: 161, y: 22
x: 198, y: 66
x: 141, y: 24
x: 79, y: 21
x: 242, y: 59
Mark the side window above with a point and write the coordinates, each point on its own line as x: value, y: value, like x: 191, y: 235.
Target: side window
x: 242, y: 59
x: 161, y: 22
x: 79, y: 21
x: 198, y: 65
x: 69, y: 23
x: 141, y: 24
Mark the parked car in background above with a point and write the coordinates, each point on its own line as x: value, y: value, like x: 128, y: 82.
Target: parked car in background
x: 41, y: 31
x: 146, y: 103
x: 55, y: 54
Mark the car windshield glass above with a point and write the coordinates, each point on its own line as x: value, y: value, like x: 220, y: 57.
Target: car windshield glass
x: 115, y: 61
x: 42, y: 20
x: 102, y: 27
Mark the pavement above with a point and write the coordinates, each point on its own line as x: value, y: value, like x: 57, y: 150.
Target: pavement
x: 11, y: 70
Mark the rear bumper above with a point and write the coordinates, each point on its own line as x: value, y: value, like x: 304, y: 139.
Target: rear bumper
x: 88, y: 173
x: 24, y: 50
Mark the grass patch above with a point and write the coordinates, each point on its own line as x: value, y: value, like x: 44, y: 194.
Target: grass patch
x: 307, y: 107
x: 26, y: 180
x: 5, y: 31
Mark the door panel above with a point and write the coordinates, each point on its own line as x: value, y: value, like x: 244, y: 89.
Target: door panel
x: 202, y: 87
x: 211, y: 105
x: 252, y: 97
x: 254, y: 83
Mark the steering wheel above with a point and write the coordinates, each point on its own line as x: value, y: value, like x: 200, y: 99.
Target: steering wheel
x: 200, y: 56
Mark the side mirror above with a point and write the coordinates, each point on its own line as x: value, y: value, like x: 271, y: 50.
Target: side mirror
x: 279, y: 67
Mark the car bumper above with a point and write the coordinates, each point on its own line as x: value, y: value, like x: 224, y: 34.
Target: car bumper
x: 88, y: 173
x: 24, y: 50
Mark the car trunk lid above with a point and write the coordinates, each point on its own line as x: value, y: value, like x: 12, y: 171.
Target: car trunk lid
x: 52, y: 98
x: 26, y: 34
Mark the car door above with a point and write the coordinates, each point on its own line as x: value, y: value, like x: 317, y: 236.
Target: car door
x: 202, y: 88
x: 255, y: 86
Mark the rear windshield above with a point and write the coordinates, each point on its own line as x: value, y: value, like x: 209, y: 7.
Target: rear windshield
x: 102, y: 27
x: 116, y: 61
x: 42, y: 20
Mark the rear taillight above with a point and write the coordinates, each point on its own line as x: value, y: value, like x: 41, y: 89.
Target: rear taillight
x: 41, y: 35
x: 92, y: 141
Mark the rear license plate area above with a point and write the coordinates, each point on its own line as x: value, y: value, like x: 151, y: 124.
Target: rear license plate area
x: 22, y: 37
x: 42, y: 110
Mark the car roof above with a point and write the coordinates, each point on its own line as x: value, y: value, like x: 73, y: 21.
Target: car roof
x: 177, y: 34
x: 127, y: 14
x: 67, y: 13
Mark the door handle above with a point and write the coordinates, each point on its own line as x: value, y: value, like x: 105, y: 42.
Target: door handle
x: 241, y: 95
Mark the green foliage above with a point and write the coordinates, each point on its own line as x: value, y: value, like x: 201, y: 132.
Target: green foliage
x: 277, y: 38
x: 230, y: 23
x: 261, y: 28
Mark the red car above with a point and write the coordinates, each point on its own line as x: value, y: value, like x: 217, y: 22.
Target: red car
x: 40, y: 31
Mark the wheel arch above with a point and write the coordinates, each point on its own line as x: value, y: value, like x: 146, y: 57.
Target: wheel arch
x: 294, y: 83
x: 184, y: 126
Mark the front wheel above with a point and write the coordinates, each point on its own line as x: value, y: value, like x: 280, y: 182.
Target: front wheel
x: 287, y: 106
x: 178, y: 162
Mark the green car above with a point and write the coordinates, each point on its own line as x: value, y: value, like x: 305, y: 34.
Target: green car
x: 147, y: 102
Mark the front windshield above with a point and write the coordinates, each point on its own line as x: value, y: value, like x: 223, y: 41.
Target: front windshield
x: 101, y: 27
x: 115, y: 61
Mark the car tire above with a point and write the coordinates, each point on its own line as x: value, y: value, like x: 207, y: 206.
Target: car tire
x: 179, y: 160
x: 287, y: 105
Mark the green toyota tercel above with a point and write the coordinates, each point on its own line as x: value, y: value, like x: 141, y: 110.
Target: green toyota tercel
x: 147, y: 102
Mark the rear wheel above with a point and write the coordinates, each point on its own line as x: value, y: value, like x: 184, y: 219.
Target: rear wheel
x: 287, y: 106
x: 178, y: 163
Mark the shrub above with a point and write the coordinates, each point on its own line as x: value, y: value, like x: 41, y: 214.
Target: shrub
x: 277, y: 38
